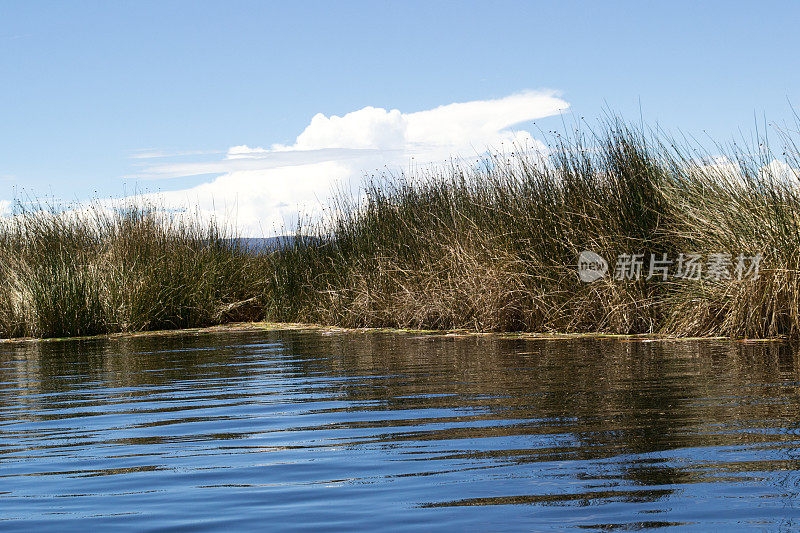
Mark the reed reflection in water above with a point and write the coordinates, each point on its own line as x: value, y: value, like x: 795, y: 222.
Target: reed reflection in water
x: 305, y: 430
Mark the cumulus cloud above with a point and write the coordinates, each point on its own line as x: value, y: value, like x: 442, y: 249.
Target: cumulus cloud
x: 725, y: 168
x: 261, y: 188
x: 780, y: 171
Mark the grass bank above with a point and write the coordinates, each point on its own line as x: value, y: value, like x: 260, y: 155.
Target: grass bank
x: 485, y: 246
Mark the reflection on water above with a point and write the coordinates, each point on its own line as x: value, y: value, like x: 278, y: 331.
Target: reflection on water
x: 377, y: 431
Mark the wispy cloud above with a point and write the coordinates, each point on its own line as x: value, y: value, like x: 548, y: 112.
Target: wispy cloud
x: 254, y: 161
x: 149, y: 153
x: 15, y: 36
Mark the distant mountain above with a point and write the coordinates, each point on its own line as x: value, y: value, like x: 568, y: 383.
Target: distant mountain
x: 270, y: 244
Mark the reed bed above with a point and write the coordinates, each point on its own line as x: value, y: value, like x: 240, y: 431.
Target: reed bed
x: 99, y: 271
x: 488, y: 245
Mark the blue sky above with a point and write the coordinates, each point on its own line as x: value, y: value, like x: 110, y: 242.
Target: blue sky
x: 89, y: 86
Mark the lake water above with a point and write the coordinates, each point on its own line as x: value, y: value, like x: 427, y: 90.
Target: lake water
x: 302, y: 430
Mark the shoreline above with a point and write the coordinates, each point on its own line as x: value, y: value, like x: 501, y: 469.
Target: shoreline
x: 625, y: 235
x: 243, y: 327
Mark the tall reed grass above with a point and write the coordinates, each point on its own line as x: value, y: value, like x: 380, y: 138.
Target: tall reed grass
x: 98, y: 271
x: 490, y: 245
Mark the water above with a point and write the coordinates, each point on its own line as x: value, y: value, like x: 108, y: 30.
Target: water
x: 298, y: 430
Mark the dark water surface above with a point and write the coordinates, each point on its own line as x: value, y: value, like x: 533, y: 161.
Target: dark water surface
x: 299, y: 430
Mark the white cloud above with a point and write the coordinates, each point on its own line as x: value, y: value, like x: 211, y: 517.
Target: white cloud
x: 779, y: 171
x: 155, y: 154
x: 260, y: 189
x: 725, y: 168
x: 718, y: 166
x: 243, y: 158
